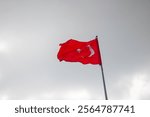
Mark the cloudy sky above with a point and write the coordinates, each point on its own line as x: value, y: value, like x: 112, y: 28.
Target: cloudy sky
x: 30, y: 33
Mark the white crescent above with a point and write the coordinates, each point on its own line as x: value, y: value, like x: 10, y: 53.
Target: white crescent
x: 91, y: 50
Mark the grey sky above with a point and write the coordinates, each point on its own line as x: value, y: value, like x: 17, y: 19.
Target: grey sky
x: 30, y: 33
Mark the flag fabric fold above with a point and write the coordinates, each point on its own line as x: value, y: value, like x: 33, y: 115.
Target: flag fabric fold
x: 77, y: 51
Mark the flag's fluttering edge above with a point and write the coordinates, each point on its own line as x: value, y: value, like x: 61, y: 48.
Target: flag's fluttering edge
x: 77, y: 51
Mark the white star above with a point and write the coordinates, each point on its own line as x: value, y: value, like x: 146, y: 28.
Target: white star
x: 78, y: 50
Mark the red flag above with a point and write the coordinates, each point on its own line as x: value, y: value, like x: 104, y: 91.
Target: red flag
x: 77, y: 51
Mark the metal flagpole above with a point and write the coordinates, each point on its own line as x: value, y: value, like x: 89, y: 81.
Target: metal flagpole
x: 105, y: 91
x: 103, y: 78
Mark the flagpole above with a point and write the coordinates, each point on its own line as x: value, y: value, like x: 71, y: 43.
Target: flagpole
x: 103, y: 78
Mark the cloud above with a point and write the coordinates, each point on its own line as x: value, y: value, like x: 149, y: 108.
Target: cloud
x: 30, y: 34
x: 140, y: 86
x: 4, y: 97
x: 4, y: 47
x: 77, y: 94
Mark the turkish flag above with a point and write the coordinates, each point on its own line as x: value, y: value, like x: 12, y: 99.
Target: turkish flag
x: 77, y: 51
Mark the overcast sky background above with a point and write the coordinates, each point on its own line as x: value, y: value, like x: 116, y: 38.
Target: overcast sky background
x: 30, y: 33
